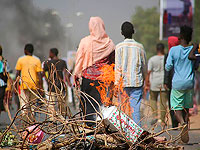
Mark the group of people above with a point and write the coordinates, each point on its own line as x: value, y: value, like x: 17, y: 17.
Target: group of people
x: 171, y: 76
x: 162, y: 75
x: 29, y: 80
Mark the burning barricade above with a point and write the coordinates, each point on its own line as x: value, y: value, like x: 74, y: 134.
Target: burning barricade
x: 114, y: 128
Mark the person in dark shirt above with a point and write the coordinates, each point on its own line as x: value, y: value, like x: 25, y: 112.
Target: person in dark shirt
x: 194, y: 55
x: 168, y: 75
x: 56, y: 69
x: 186, y: 7
x: 4, y: 69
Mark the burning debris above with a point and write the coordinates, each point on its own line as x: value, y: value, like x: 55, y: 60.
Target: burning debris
x: 44, y: 129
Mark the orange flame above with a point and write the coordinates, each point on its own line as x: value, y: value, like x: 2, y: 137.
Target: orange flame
x: 92, y: 84
x: 106, y: 89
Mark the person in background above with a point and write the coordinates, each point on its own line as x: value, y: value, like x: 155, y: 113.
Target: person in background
x: 56, y: 68
x: 130, y: 65
x: 186, y: 5
x: 155, y: 80
x: 4, y: 69
x: 172, y: 41
x: 95, y: 51
x: 29, y: 68
x: 194, y: 55
x: 183, y: 79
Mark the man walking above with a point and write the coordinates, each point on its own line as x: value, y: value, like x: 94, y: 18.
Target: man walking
x: 183, y: 79
x: 130, y: 65
x: 155, y: 80
x: 29, y: 68
x: 55, y: 68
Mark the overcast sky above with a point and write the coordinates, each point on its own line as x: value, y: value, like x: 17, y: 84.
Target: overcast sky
x: 113, y: 12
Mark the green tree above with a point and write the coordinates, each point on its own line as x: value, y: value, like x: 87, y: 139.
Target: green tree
x: 146, y: 23
x: 197, y: 21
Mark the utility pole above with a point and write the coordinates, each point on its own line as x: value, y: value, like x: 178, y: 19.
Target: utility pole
x: 161, y: 20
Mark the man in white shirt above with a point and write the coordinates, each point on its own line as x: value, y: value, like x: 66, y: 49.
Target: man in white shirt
x: 155, y: 82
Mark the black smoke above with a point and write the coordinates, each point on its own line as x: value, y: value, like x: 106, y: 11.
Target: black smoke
x: 21, y: 22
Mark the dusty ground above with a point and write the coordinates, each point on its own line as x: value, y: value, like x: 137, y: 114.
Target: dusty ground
x: 195, y: 121
x: 194, y: 132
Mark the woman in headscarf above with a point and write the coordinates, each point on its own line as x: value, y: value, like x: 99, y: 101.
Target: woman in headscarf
x: 95, y: 51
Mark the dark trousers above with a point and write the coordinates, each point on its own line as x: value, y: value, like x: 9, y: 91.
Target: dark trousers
x: 89, y: 87
x: 2, y: 94
x: 173, y: 117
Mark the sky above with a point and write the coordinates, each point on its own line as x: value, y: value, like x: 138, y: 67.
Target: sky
x: 113, y: 12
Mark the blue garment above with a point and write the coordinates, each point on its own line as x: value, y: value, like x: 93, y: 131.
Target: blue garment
x: 2, y: 69
x: 183, y: 78
x: 135, y: 94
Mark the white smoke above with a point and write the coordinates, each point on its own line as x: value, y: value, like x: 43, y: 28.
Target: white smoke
x: 21, y: 22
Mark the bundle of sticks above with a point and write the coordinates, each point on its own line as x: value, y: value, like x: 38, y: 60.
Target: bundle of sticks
x: 41, y: 124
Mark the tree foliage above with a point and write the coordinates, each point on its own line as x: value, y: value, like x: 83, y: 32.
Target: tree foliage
x: 197, y: 21
x: 146, y: 23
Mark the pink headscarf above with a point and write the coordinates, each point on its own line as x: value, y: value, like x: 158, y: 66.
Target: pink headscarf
x: 172, y: 41
x: 94, y: 47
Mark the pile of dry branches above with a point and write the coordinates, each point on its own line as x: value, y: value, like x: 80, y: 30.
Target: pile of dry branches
x: 68, y: 131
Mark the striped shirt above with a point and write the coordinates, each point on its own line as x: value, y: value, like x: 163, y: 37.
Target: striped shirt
x: 130, y: 63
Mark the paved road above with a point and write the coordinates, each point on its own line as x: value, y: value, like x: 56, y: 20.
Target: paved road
x: 194, y: 143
